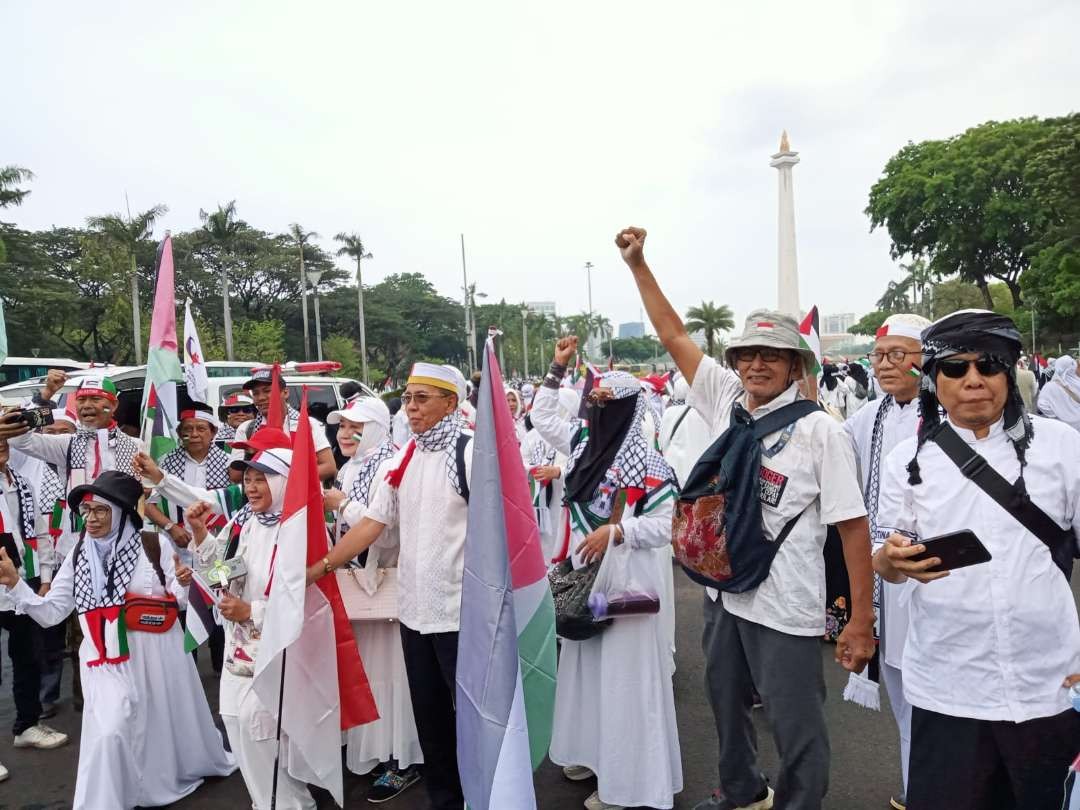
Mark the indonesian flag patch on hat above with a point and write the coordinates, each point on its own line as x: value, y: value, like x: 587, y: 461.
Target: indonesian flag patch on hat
x: 238, y: 401
x: 195, y: 413
x: 96, y: 387
x: 436, y: 376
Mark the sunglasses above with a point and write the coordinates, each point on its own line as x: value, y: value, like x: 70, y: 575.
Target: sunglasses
x: 420, y: 399
x: 985, y: 366
x: 242, y: 409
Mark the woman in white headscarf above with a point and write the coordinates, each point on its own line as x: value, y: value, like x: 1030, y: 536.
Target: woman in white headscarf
x: 614, y: 704
x: 1060, y: 398
x: 148, y: 738
x: 517, y: 410
x: 251, y: 726
x: 391, y: 741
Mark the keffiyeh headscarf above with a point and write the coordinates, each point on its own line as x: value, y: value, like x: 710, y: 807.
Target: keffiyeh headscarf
x: 613, y: 441
x: 972, y: 331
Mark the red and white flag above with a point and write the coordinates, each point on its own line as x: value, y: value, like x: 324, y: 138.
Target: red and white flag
x: 326, y: 689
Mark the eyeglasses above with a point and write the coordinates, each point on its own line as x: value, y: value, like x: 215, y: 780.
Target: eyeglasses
x: 420, y: 399
x: 985, y: 366
x: 767, y: 355
x: 896, y: 356
x: 244, y: 409
x: 600, y: 397
x: 94, y: 510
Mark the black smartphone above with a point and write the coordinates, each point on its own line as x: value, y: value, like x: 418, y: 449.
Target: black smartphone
x: 7, y: 540
x: 955, y: 550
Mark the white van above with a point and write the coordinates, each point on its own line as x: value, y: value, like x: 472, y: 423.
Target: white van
x: 224, y: 378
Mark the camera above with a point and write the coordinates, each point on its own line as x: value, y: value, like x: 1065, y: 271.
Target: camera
x: 34, y: 418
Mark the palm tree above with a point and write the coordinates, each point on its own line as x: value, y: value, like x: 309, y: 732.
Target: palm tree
x: 222, y: 229
x: 300, y: 237
x: 9, y: 177
x: 919, y: 279
x: 353, y: 246
x: 127, y: 234
x: 710, y: 319
x: 895, y: 298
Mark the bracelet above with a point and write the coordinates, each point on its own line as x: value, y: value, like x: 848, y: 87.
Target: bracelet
x: 557, y: 370
x: 327, y: 567
x: 551, y: 381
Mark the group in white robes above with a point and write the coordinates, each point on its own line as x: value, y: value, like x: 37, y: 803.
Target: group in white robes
x: 614, y: 704
x: 1060, y: 398
x: 148, y: 738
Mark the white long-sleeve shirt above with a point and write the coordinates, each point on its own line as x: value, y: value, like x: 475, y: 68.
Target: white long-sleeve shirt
x: 993, y: 641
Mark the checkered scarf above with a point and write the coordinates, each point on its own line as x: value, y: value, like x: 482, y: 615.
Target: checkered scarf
x: 292, y: 419
x: 27, y: 513
x: 542, y: 454
x: 122, y: 446
x: 119, y: 565
x: 444, y: 436
x: 635, y: 460
x: 217, y: 466
x: 360, y: 491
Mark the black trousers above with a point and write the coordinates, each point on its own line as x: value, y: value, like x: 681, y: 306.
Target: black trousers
x: 431, y: 664
x: 26, y: 650
x: 963, y: 764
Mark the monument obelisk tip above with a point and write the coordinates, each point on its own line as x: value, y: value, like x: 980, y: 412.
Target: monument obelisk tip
x: 785, y: 145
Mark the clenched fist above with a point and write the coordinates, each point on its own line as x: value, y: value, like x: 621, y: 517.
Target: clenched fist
x: 631, y: 244
x: 565, y: 350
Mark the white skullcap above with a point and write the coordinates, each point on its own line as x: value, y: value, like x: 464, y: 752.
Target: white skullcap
x: 443, y: 377
x: 903, y: 324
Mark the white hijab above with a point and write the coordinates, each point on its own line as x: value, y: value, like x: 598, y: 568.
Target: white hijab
x: 103, y: 547
x: 1060, y: 398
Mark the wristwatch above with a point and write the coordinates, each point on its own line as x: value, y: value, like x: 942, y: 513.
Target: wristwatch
x: 168, y: 527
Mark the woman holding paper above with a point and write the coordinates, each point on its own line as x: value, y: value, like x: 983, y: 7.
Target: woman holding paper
x: 391, y: 742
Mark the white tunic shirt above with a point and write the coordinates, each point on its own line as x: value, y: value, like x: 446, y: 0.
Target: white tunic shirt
x: 813, y: 477
x: 992, y: 641
x: 900, y: 423
x: 431, y: 518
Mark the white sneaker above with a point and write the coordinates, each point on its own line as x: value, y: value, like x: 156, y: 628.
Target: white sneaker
x: 594, y: 803
x: 577, y: 773
x: 3, y: 772
x: 40, y: 736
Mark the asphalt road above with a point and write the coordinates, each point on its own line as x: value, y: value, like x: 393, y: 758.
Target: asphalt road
x: 865, y: 767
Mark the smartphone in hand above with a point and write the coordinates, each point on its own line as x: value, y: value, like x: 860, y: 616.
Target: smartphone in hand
x: 955, y: 550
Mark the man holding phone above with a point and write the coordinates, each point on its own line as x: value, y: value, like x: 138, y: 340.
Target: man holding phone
x: 989, y: 645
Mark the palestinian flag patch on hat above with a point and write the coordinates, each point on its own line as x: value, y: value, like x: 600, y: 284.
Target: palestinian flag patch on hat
x: 96, y: 387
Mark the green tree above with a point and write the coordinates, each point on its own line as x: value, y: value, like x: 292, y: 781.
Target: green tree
x: 869, y: 324
x: 963, y: 204
x: 895, y: 298
x: 10, y: 177
x: 342, y: 348
x: 1054, y: 176
x: 220, y: 233
x: 300, y: 237
x: 711, y: 319
x: 353, y: 247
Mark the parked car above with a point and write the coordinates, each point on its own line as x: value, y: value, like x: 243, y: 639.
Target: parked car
x: 224, y: 378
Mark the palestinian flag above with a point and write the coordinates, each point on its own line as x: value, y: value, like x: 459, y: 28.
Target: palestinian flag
x: 810, y: 338
x: 163, y: 370
x: 200, y: 616
x: 506, y: 645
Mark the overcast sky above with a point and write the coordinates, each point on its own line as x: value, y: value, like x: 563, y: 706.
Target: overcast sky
x: 536, y: 131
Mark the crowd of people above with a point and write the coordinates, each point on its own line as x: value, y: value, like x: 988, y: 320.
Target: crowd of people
x: 953, y: 503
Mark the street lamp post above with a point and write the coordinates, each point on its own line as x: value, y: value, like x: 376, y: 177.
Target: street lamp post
x: 227, y: 312
x: 136, y: 326
x: 313, y: 277
x: 525, y: 339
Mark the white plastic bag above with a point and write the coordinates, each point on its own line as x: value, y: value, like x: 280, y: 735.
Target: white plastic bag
x: 627, y: 573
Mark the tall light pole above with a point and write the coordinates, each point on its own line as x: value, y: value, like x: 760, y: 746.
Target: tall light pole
x: 136, y: 325
x: 470, y: 330
x: 525, y: 339
x: 588, y: 285
x: 228, y: 314
x: 313, y: 277
x: 363, y: 326
x: 303, y: 301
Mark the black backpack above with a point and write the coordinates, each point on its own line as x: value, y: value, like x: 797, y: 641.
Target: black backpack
x: 717, y: 529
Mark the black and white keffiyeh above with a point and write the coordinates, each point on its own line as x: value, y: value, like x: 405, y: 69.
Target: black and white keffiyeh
x: 292, y: 419
x: 217, y: 466
x: 27, y: 511
x: 119, y: 566
x: 444, y: 436
x: 122, y: 447
x: 633, y: 462
x: 360, y: 491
